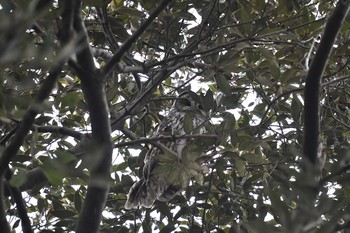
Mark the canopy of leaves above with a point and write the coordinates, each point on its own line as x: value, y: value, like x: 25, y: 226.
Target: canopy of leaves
x: 247, y: 61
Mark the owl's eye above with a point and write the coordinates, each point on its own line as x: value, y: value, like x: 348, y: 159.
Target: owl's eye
x: 185, y: 102
x: 200, y: 107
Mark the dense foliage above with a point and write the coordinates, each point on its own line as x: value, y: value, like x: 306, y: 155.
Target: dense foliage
x: 63, y: 64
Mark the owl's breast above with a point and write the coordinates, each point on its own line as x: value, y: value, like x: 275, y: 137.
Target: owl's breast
x: 174, y: 125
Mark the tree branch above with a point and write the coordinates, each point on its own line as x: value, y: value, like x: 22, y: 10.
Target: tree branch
x: 101, y: 146
x: 22, y: 130
x: 28, y: 119
x: 27, y: 123
x: 334, y: 174
x: 21, y: 208
x: 164, y: 138
x: 312, y: 146
x: 313, y: 82
x: 126, y: 46
x: 140, y: 101
x: 84, y: 55
x: 60, y: 130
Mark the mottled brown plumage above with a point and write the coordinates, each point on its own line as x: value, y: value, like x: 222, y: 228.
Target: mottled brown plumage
x: 155, y: 181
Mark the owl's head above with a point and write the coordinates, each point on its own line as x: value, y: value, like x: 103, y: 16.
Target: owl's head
x: 189, y: 101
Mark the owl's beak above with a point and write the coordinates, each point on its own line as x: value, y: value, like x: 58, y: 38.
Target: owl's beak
x: 202, y: 112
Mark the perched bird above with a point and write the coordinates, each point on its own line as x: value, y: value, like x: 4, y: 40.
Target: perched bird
x: 169, y: 166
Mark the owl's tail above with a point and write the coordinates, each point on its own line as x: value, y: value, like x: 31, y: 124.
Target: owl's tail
x: 138, y: 195
x: 145, y: 192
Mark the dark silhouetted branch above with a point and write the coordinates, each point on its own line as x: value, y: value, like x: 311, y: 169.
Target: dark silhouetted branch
x: 24, y: 127
x: 21, y: 132
x: 22, y: 211
x: 165, y: 138
x: 101, y: 146
x: 313, y: 82
x: 60, y: 130
x: 126, y: 46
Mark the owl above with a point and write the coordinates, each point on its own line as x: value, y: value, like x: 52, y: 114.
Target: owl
x: 169, y: 166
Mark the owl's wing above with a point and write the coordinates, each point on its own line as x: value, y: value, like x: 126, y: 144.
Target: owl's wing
x: 137, y: 195
x: 142, y: 193
x: 145, y: 192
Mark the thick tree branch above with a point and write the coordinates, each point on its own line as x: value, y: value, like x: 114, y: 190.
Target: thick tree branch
x: 84, y: 55
x: 313, y: 82
x: 312, y: 147
x: 8, y: 5
x: 22, y: 211
x: 101, y: 147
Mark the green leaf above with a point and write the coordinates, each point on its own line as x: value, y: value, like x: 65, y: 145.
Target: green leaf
x: 223, y: 84
x: 165, y: 168
x: 69, y: 99
x: 112, y: 93
x: 240, y: 166
x: 208, y: 101
x: 120, y: 167
x: 195, y: 170
x: 279, y: 208
x: 63, y: 213
x: 174, y: 174
x: 232, y: 182
x: 148, y: 4
x: 259, y: 110
x: 126, y: 180
x: 78, y: 202
x: 64, y: 156
x: 54, y: 171
x: 184, y: 178
x: 226, y: 127
x: 98, y: 3
x: 188, y: 123
x: 168, y: 156
x: 115, y: 4
x: 296, y: 108
x: 251, y: 75
x: 191, y: 152
x: 19, y: 178
x: 130, y: 12
x: 229, y: 61
x: 168, y: 228
x: 213, y: 88
x: 231, y: 101
x: 42, y: 204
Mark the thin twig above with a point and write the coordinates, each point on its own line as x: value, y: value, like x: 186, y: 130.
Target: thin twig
x: 126, y: 46
x: 164, y: 138
x: 60, y: 130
